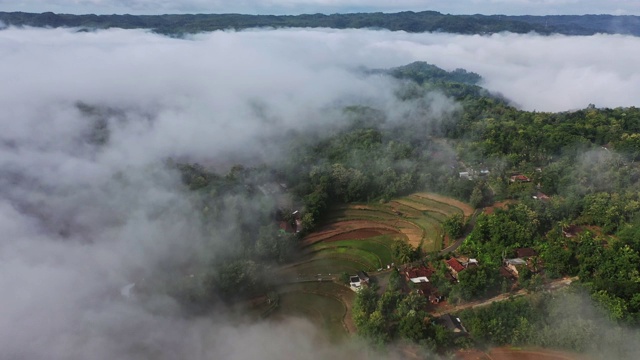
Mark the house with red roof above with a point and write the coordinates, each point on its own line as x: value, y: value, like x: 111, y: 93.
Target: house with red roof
x: 454, y: 266
x: 418, y: 274
x: 519, y: 178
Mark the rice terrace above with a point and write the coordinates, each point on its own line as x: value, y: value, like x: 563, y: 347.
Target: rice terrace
x: 360, y: 237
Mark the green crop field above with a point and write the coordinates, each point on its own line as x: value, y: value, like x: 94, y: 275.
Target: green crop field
x: 329, y: 265
x: 321, y: 303
x: 433, y: 205
x: 379, y: 246
x: 360, y: 214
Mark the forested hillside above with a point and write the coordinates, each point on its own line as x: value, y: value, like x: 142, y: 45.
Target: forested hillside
x: 580, y: 210
x: 565, y: 185
x: 425, y: 21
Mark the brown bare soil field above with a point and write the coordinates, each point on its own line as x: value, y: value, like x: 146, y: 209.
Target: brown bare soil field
x: 466, y: 208
x: 350, y: 226
x: 499, y: 205
x: 407, y: 229
x: 411, y: 231
x: 472, y: 354
x: 531, y: 354
x: 515, y: 354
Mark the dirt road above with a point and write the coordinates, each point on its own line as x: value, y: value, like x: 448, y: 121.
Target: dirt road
x: 551, y: 286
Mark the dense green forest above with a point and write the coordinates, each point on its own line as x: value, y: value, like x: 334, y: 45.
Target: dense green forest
x: 563, y: 320
x: 425, y: 21
x: 580, y: 209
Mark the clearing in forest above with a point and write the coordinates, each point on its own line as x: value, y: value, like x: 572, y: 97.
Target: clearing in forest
x: 361, y: 235
x: 358, y: 237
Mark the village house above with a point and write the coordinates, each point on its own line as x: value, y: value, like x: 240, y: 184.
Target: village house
x: 470, y: 174
x: 291, y: 223
x: 519, y: 178
x: 454, y: 266
x: 452, y: 323
x: 364, y: 277
x: 541, y: 196
x: 356, y: 282
x: 513, y: 265
x: 418, y: 274
x: 419, y: 277
x: 465, y: 175
x: 524, y: 257
x: 467, y: 262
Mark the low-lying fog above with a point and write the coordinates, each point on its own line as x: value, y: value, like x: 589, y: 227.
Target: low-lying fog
x: 78, y: 221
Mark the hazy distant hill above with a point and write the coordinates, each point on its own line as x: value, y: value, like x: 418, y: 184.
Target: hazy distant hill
x: 407, y: 21
x: 585, y: 24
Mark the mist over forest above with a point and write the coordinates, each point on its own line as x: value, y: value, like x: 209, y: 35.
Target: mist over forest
x: 133, y: 165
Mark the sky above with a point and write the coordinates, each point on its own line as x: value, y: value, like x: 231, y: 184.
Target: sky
x: 80, y: 221
x: 506, y: 7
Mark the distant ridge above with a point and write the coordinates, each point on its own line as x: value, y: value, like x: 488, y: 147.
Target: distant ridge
x: 425, y: 21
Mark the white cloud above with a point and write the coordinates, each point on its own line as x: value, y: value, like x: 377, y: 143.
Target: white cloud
x: 544, y: 73
x: 80, y: 222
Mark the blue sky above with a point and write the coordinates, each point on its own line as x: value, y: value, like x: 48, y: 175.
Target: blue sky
x: 508, y: 7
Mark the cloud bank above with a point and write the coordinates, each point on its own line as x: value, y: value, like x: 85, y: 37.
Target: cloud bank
x: 554, y: 73
x: 80, y: 221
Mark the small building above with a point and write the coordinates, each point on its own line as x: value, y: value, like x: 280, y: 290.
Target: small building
x: 524, y: 253
x: 519, y: 178
x: 465, y: 175
x: 363, y: 276
x: 289, y: 222
x: 454, y: 266
x: 513, y: 264
x: 452, y: 323
x: 354, y: 283
x: 541, y: 196
x: 468, y: 262
x: 418, y: 274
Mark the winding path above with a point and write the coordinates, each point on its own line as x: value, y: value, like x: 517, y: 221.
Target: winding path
x: 550, y: 286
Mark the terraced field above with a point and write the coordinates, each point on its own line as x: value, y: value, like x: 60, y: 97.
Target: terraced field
x: 325, y: 304
x: 417, y: 218
x: 359, y: 237
x: 333, y: 257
